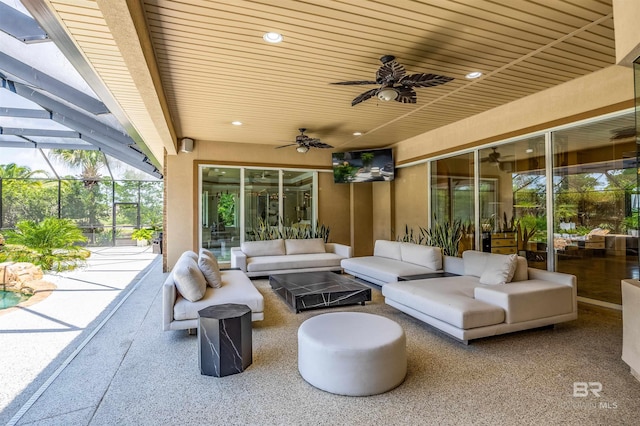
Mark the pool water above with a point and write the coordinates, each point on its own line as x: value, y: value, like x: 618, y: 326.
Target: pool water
x: 9, y: 299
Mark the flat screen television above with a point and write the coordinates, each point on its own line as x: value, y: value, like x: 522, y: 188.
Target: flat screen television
x: 368, y: 165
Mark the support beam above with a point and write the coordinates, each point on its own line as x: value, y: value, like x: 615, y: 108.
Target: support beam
x: 39, y: 132
x: 20, y: 26
x: 49, y: 84
x: 24, y: 113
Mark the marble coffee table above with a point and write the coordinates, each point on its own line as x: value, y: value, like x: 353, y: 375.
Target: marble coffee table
x: 324, y: 289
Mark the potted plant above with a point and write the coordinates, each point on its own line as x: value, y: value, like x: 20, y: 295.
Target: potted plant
x: 142, y: 236
x: 367, y: 160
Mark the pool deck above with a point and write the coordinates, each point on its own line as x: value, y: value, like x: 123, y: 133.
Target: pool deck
x: 36, y: 340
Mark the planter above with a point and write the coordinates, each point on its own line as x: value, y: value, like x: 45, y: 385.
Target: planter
x: 142, y: 243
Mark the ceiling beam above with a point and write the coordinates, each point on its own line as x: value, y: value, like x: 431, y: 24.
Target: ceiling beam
x: 81, y: 122
x: 45, y: 82
x: 24, y: 113
x: 20, y: 26
x: 39, y: 132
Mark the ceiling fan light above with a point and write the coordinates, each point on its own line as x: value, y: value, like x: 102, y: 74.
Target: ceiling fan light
x: 387, y: 94
x: 302, y: 149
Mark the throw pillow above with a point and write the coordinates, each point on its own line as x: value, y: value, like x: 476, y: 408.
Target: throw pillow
x: 209, y: 267
x: 499, y: 269
x: 189, y: 279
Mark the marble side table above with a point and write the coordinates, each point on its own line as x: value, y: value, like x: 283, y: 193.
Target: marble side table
x: 224, y: 339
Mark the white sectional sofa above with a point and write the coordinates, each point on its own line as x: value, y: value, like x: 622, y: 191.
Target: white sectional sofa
x: 262, y: 258
x: 180, y: 311
x: 393, y: 259
x: 493, y: 294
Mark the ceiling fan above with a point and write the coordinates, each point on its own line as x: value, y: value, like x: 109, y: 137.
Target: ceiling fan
x: 395, y: 84
x: 495, y: 158
x: 305, y: 142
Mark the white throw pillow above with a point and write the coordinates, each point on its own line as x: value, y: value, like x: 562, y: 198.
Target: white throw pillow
x: 390, y: 249
x: 208, y: 264
x: 263, y: 248
x: 189, y: 279
x: 305, y: 246
x: 499, y: 269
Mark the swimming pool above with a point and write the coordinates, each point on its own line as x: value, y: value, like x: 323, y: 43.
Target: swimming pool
x: 9, y: 299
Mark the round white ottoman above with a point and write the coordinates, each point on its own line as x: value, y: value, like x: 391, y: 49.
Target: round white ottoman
x: 352, y: 353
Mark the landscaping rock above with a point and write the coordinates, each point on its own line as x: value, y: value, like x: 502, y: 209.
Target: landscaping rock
x: 16, y: 276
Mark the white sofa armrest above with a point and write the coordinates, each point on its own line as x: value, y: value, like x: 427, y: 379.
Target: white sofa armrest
x: 452, y: 264
x: 528, y: 300
x: 554, y: 277
x: 238, y: 259
x: 339, y: 249
x: 169, y: 294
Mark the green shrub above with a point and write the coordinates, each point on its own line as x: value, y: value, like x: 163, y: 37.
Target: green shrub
x: 53, y: 243
x: 142, y: 234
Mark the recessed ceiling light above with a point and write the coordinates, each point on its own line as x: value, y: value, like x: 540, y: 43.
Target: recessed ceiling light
x: 529, y: 150
x: 272, y: 37
x: 357, y: 133
x: 237, y: 123
x: 473, y: 75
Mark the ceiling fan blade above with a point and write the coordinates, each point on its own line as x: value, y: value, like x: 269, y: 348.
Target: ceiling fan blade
x: 364, y: 96
x: 424, y: 80
x: 348, y: 83
x: 317, y: 144
x: 390, y: 72
x: 284, y: 146
x: 406, y: 95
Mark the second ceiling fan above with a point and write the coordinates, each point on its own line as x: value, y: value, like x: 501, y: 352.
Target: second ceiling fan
x: 305, y: 142
x: 394, y: 83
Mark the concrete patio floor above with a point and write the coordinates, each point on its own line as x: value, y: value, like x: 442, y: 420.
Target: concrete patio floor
x: 37, y: 341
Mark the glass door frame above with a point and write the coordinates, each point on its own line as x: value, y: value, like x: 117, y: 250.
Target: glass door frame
x: 243, y: 169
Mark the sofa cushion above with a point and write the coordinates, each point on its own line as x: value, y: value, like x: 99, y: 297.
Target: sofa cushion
x: 304, y: 246
x: 448, y: 299
x: 476, y: 261
x: 293, y: 261
x: 236, y: 288
x: 189, y: 279
x: 263, y: 248
x: 381, y: 269
x: 499, y: 269
x: 390, y: 249
x: 430, y: 257
x: 208, y: 264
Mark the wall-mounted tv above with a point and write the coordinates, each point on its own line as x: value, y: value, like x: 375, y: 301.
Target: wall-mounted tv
x: 368, y: 165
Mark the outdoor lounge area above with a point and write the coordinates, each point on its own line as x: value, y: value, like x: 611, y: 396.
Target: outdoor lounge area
x: 337, y: 212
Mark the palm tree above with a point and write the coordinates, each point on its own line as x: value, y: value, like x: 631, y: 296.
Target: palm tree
x: 89, y: 161
x: 13, y: 171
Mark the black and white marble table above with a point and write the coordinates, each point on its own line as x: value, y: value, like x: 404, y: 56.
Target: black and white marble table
x: 224, y: 339
x: 324, y: 289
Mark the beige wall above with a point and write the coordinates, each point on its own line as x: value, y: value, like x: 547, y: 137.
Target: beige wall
x: 626, y: 14
x: 383, y: 213
x: 362, y: 218
x: 334, y: 207
x: 410, y: 199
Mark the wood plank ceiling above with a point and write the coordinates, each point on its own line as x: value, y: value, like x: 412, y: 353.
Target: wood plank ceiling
x: 215, y: 67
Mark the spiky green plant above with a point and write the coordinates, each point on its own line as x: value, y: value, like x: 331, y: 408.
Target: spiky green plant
x: 56, y: 242
x: 446, y: 235
x: 263, y: 231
